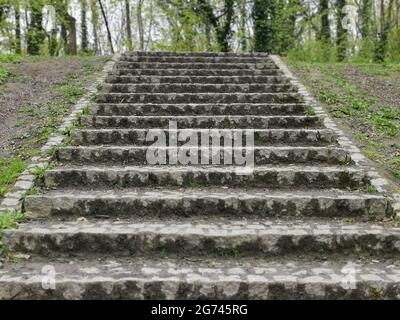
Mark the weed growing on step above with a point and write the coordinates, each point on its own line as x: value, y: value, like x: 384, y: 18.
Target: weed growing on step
x: 375, y: 293
x: 9, y: 172
x: 39, y: 172
x: 9, y: 220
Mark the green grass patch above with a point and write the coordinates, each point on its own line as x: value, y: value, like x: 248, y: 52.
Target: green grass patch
x: 10, y: 58
x: 10, y: 170
x: 9, y: 220
x: 3, y: 75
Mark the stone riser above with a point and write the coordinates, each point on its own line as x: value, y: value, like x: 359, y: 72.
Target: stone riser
x: 162, y: 175
x: 197, y: 66
x: 161, y: 98
x: 198, y: 72
x: 125, y: 239
x: 197, y: 109
x: 167, y: 205
x: 198, y: 79
x: 137, y: 155
x: 177, y: 59
x: 261, y: 137
x: 196, y: 88
x: 203, y: 122
x: 196, y: 54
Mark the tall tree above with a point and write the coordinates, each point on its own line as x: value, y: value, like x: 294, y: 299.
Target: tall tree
x: 324, y: 33
x: 128, y: 25
x: 84, y: 28
x: 17, y: 42
x: 35, y: 34
x: 139, y: 17
x: 265, y: 25
x: 341, y: 32
x: 103, y: 12
x: 95, y: 23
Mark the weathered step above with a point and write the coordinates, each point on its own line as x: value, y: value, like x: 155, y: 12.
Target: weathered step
x: 203, y: 122
x: 125, y: 109
x: 198, y: 79
x: 240, y: 238
x: 196, y: 59
x: 194, y: 54
x: 118, y: 155
x: 198, y: 72
x: 206, y: 278
x: 165, y: 204
x: 296, y: 137
x: 161, y: 98
x: 285, y: 177
x: 195, y: 66
x: 196, y: 88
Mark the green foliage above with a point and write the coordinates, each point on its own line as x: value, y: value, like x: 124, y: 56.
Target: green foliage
x: 9, y: 220
x: 10, y: 58
x: 3, y: 76
x: 10, y: 169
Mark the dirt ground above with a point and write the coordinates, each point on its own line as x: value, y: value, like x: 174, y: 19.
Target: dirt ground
x: 376, y: 87
x: 31, y: 83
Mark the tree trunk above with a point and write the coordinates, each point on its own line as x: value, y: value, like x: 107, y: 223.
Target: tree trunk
x: 35, y: 34
x: 128, y: 25
x: 73, y: 46
x: 17, y: 45
x: 139, y: 14
x: 110, y: 43
x: 325, y: 30
x: 95, y: 23
x: 85, y: 41
x: 341, y: 37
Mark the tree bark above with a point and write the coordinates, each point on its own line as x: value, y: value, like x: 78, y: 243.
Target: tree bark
x: 73, y: 46
x: 128, y: 25
x: 17, y: 45
x: 110, y: 43
x: 139, y: 13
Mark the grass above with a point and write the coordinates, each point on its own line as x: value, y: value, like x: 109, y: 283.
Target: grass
x: 376, y: 126
x: 9, y: 172
x: 45, y: 117
x: 3, y: 75
x: 9, y: 220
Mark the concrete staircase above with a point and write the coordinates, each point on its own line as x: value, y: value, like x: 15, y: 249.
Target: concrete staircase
x: 306, y: 224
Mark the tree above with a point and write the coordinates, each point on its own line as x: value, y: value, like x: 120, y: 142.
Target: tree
x: 17, y: 41
x: 85, y: 41
x: 35, y: 33
x: 95, y: 23
x: 341, y: 36
x: 110, y: 42
x: 139, y: 13
x: 324, y: 33
x: 128, y: 25
x: 266, y: 30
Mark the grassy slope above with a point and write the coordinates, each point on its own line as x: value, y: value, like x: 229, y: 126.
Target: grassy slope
x: 48, y: 115
x: 364, y: 98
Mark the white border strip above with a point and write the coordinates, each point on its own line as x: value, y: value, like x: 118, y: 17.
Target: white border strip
x: 377, y: 181
x: 13, y: 200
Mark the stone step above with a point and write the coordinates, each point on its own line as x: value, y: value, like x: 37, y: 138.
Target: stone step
x: 292, y: 137
x: 195, y: 66
x: 198, y: 79
x: 125, y: 109
x: 203, y: 122
x: 198, y: 72
x: 222, y: 278
x: 194, y: 54
x: 161, y: 98
x: 118, y: 155
x: 196, y: 59
x: 196, y: 88
x: 235, y: 238
x: 167, y: 204
x: 285, y: 177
